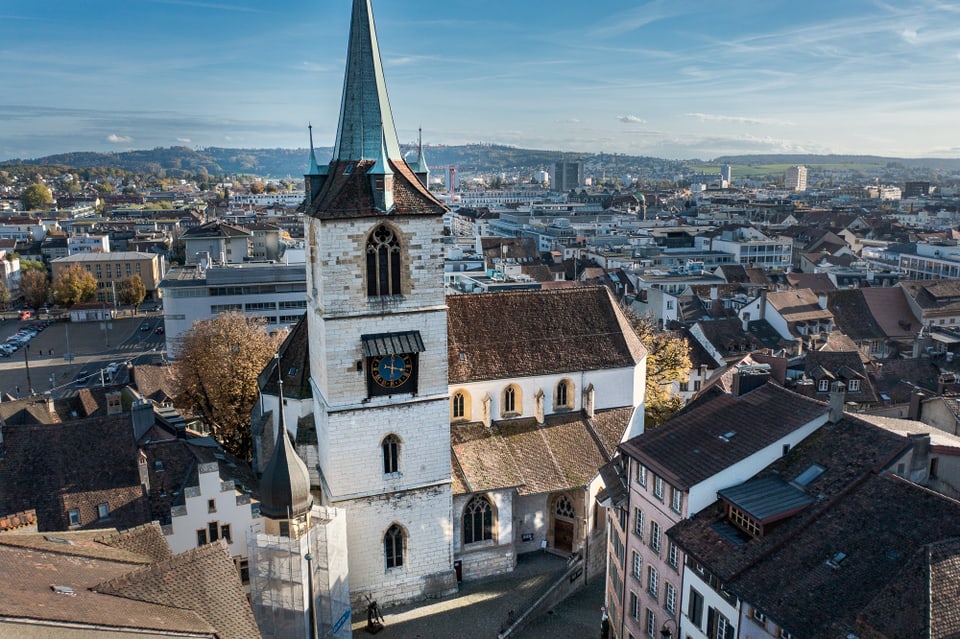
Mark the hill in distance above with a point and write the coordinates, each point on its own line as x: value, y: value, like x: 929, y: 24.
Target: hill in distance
x: 180, y: 161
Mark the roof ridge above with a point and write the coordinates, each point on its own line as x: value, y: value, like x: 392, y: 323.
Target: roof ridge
x: 116, y: 585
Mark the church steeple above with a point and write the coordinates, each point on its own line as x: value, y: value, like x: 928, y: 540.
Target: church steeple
x: 285, y: 486
x: 366, y: 121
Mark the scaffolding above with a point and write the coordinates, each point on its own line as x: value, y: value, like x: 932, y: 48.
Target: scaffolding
x: 283, y: 571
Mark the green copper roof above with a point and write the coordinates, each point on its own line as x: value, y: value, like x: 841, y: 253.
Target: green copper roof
x: 314, y: 168
x: 366, y: 127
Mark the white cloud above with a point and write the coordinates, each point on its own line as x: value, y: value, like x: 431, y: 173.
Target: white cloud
x: 712, y: 117
x: 909, y: 36
x: 184, y: 140
x: 631, y: 119
x: 113, y: 138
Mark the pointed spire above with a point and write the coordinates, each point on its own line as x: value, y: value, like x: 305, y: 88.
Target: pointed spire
x: 314, y: 168
x: 420, y: 168
x: 366, y: 121
x: 285, y: 486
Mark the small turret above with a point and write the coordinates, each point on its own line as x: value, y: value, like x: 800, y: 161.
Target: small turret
x: 315, y: 176
x: 420, y: 168
x: 381, y: 182
x: 285, y: 497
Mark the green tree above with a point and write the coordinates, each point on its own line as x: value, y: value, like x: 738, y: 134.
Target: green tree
x: 75, y: 286
x: 36, y: 196
x: 131, y: 291
x: 668, y: 361
x: 35, y: 287
x: 216, y: 374
x: 32, y: 265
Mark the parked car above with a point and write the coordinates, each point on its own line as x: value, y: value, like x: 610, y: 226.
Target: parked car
x: 159, y: 330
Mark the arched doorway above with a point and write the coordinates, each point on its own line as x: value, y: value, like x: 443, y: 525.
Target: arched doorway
x: 564, y: 523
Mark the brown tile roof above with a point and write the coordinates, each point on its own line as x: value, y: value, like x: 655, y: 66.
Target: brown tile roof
x: 203, y: 580
x: 899, y: 378
x: 817, y: 282
x: 482, y: 459
x: 921, y: 600
x: 349, y: 195
x: 853, y: 315
x: 687, y: 448
x: 26, y: 592
x: 563, y: 453
x: 801, y: 305
x: 154, y: 382
x: 79, y: 464
x: 841, y: 366
x: 146, y: 540
x: 934, y: 296
x: 516, y: 334
x: 891, y: 310
x: 877, y: 548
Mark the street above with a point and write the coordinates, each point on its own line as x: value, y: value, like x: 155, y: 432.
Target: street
x: 46, y: 366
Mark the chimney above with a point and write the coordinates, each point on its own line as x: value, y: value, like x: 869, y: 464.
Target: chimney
x: 589, y: 397
x: 838, y: 393
x: 763, y: 304
x: 714, y: 293
x: 748, y: 378
x: 916, y: 405
x: 114, y: 403
x: 141, y: 415
x: 703, y: 374
x: 144, y: 471
x: 822, y: 301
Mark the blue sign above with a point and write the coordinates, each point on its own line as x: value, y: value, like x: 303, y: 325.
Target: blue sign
x: 342, y: 620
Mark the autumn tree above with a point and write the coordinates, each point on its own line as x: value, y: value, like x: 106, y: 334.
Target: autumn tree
x: 4, y: 295
x: 131, y: 291
x: 216, y: 374
x: 257, y: 188
x: 668, y: 361
x: 36, y: 196
x: 74, y: 286
x: 35, y: 287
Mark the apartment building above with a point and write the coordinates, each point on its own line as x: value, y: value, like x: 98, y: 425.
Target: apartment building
x: 674, y: 472
x: 110, y: 269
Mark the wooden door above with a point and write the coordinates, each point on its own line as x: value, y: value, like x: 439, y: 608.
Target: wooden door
x: 563, y: 535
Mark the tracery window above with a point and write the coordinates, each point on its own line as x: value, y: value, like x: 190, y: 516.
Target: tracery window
x: 383, y: 263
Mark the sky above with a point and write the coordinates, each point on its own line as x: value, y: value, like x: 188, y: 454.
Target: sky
x: 679, y: 79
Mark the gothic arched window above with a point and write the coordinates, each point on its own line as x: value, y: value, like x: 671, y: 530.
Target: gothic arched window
x: 393, y: 546
x: 459, y: 402
x: 564, y: 395
x: 511, y: 401
x: 383, y: 262
x: 391, y: 454
x: 477, y: 520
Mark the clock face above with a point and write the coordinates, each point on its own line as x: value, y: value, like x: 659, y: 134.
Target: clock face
x: 391, y: 371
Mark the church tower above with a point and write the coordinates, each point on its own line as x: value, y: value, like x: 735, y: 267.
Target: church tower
x: 378, y: 344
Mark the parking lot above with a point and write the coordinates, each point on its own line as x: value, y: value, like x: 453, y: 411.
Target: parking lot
x: 65, y: 356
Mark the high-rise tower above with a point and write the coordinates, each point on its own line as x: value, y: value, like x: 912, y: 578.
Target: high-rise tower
x: 378, y: 344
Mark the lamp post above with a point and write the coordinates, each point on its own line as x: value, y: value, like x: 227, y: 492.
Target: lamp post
x: 665, y: 632
x: 26, y: 361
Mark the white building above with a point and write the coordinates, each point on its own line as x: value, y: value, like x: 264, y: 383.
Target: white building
x: 276, y: 292
x: 88, y: 244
